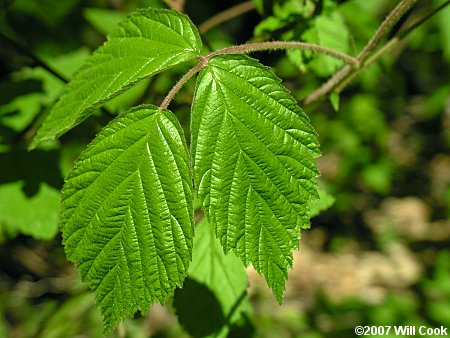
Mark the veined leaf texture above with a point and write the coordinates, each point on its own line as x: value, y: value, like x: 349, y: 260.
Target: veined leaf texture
x: 127, y: 213
x: 254, y: 155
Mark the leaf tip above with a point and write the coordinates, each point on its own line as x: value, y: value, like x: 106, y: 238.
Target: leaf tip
x: 36, y: 141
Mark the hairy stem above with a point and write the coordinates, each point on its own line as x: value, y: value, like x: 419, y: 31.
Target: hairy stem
x: 371, y: 59
x: 248, y: 48
x: 328, y: 86
x: 226, y: 15
x: 340, y: 79
x: 186, y: 77
x: 273, y: 45
x: 390, y: 45
x: 423, y: 19
x: 386, y: 26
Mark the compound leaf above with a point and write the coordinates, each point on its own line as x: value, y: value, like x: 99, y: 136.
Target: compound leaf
x: 147, y: 42
x: 127, y: 215
x: 254, y: 163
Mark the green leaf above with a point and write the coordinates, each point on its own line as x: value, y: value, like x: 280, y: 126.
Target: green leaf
x: 29, y: 193
x: 254, y: 156
x: 31, y: 90
x: 323, y: 203
x: 332, y: 32
x: 259, y: 4
x: 147, y: 42
x: 127, y: 216
x: 213, y: 300
x: 334, y: 99
x: 103, y: 20
x: 36, y: 215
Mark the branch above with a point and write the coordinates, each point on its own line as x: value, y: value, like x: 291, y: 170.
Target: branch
x: 341, y: 76
x: 423, y: 19
x: 328, y: 86
x: 391, y: 44
x: 226, y: 15
x: 371, y: 59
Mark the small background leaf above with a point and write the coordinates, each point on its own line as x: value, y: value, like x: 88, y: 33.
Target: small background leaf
x: 35, y: 215
x: 29, y: 194
x: 103, y: 20
x: 334, y: 99
x: 254, y: 163
x: 214, y: 299
x: 323, y: 203
x: 30, y: 90
x: 147, y: 42
x: 127, y: 213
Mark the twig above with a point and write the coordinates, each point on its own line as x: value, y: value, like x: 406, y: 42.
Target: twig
x: 386, y: 26
x: 226, y: 15
x: 248, y: 48
x: 177, y: 5
x: 391, y: 44
x: 372, y: 58
x: 381, y: 32
x: 423, y: 19
x: 339, y: 80
x: 328, y: 86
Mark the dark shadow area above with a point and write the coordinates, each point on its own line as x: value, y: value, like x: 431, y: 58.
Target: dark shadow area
x: 243, y: 328
x: 31, y: 167
x: 11, y: 89
x: 198, y: 309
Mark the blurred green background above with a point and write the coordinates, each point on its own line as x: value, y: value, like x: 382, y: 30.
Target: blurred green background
x: 380, y: 255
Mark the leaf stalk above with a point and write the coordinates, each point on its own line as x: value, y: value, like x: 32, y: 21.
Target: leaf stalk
x: 254, y: 47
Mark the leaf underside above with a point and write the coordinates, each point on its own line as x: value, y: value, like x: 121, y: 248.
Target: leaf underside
x: 127, y: 218
x: 254, y: 153
x: 147, y: 42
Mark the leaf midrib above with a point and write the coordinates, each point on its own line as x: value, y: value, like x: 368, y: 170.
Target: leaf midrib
x: 263, y: 144
x: 243, y: 152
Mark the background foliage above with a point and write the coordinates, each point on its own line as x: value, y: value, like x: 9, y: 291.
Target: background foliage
x: 378, y: 256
